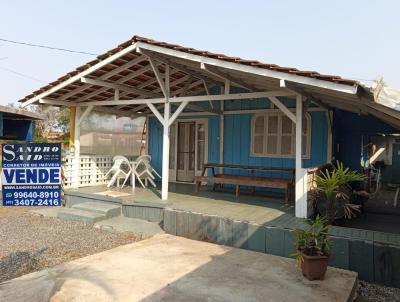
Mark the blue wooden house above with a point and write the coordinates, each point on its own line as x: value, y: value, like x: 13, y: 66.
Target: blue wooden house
x: 264, y: 120
x: 203, y: 107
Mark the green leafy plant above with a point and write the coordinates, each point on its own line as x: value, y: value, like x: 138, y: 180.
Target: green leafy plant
x: 312, y: 241
x: 334, y: 185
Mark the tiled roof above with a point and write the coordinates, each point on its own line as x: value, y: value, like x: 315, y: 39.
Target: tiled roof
x: 289, y: 70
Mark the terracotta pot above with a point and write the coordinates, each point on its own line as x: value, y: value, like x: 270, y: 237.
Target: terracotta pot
x: 314, y: 267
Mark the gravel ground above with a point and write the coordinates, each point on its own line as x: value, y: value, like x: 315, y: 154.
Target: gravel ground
x: 376, y: 293
x: 29, y: 243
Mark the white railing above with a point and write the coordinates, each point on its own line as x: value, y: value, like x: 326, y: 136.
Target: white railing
x: 92, y: 169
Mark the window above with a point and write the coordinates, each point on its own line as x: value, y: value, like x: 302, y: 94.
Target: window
x: 274, y: 134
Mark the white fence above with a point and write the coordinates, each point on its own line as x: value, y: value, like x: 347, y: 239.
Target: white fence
x: 92, y: 169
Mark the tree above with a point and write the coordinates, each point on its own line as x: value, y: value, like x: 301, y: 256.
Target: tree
x: 56, y: 120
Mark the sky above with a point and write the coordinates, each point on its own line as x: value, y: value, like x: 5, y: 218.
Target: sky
x: 353, y: 39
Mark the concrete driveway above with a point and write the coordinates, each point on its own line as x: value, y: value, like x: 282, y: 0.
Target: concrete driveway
x: 170, y: 268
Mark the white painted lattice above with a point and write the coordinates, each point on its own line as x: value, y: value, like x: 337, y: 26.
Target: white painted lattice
x: 92, y: 169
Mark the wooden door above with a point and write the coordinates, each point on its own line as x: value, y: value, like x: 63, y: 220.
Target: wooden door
x: 186, y: 151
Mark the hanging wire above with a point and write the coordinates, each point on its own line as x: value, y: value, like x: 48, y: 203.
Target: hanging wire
x: 48, y: 47
x: 22, y: 75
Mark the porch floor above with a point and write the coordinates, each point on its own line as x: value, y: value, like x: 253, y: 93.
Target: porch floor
x: 260, y: 208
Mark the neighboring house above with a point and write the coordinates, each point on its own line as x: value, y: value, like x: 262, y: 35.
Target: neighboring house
x: 113, y: 143
x: 17, y: 124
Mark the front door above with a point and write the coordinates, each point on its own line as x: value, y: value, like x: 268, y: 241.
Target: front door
x: 186, y: 151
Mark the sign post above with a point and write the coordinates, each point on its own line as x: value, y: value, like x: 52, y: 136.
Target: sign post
x: 31, y: 174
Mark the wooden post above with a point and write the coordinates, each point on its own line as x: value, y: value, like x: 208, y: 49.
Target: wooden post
x: 166, y: 124
x: 301, y: 182
x: 165, y: 154
x: 72, y: 113
x: 329, y: 119
x: 221, y: 126
x: 76, y: 146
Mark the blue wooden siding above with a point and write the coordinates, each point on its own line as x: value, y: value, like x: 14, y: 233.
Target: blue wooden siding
x: 351, y: 131
x: 256, y: 103
x: 237, y: 129
x: 155, y: 142
x: 237, y: 149
x: 155, y: 139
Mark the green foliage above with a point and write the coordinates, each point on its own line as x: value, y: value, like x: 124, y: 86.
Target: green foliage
x: 330, y: 182
x: 56, y: 119
x: 38, y: 139
x: 334, y: 185
x: 313, y: 241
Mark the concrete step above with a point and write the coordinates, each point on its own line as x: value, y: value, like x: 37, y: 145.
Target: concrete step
x: 88, y: 217
x: 139, y: 227
x: 107, y: 209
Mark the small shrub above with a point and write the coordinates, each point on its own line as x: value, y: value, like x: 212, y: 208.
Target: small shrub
x: 313, y: 241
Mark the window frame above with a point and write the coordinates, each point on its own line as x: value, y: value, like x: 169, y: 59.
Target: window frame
x: 279, y: 138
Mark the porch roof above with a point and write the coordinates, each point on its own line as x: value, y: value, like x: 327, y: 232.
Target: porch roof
x: 127, y: 73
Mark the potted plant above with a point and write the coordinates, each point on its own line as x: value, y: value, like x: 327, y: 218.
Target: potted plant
x: 312, y: 246
x: 334, y: 191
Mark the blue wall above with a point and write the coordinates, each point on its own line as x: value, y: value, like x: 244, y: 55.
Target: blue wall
x: 351, y: 131
x: 155, y: 139
x: 237, y: 129
x: 16, y: 129
x: 238, y: 135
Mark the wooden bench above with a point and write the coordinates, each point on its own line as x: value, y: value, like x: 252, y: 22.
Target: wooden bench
x: 246, y: 180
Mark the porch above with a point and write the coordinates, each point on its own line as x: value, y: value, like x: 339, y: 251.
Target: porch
x: 261, y: 208
x: 246, y: 112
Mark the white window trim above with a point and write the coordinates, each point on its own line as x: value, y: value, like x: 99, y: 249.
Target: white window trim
x: 265, y: 154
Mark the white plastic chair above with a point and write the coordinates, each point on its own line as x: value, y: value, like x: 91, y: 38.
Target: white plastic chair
x: 144, y: 170
x: 117, y: 171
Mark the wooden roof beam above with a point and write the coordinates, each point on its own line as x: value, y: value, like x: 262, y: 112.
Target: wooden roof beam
x: 75, y: 78
x: 225, y: 77
x: 160, y: 79
x: 120, y: 81
x: 293, y: 87
x: 151, y: 81
x: 120, y: 87
x: 104, y: 77
x: 177, y: 66
x: 350, y: 89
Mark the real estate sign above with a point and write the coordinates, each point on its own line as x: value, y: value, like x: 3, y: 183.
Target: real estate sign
x: 31, y: 174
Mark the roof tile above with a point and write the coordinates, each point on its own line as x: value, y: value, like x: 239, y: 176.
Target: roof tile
x: 290, y: 70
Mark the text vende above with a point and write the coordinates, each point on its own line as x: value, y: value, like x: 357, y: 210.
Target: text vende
x: 24, y: 176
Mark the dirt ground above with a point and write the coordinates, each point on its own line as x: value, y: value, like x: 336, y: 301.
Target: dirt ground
x: 13, y: 211
x: 29, y: 242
